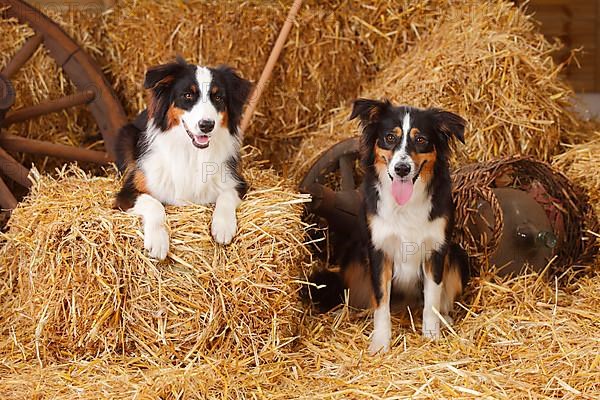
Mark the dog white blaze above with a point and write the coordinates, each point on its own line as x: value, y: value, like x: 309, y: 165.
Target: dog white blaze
x: 204, y: 109
x: 401, y: 155
x: 405, y: 131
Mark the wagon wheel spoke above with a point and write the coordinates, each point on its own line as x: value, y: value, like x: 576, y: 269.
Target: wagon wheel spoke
x: 23, y: 54
x: 13, y: 169
x: 347, y: 172
x: 7, y: 199
x: 48, y: 107
x: 32, y: 146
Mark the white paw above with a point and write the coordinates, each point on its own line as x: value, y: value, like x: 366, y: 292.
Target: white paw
x: 224, y: 228
x: 431, y: 327
x: 380, y: 342
x: 156, y: 241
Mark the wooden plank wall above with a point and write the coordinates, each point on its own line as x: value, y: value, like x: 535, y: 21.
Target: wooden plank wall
x: 577, y: 24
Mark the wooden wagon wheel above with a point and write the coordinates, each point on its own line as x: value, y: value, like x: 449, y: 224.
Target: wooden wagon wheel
x: 333, y: 184
x: 93, y: 91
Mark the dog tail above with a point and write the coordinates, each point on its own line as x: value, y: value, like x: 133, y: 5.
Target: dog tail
x: 459, y: 260
x: 326, y: 290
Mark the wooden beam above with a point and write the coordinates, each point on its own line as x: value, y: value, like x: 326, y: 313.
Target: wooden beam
x: 32, y: 146
x: 48, y: 107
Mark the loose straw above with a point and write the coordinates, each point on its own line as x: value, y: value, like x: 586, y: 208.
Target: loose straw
x: 266, y: 74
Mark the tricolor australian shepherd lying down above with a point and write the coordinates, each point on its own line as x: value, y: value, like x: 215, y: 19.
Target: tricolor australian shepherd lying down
x: 403, y: 245
x: 188, y: 151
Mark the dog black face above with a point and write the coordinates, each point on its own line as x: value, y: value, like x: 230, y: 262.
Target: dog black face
x: 403, y: 143
x: 199, y: 99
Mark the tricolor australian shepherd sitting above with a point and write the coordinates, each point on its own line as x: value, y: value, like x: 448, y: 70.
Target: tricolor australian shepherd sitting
x: 187, y: 152
x: 403, y: 246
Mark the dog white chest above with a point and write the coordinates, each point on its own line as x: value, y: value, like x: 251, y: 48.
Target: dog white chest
x: 178, y: 173
x: 406, y: 234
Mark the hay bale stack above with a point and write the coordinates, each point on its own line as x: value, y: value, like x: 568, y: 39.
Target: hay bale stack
x: 487, y: 62
x: 335, y: 46
x: 522, y: 337
x: 77, y: 282
x: 581, y: 163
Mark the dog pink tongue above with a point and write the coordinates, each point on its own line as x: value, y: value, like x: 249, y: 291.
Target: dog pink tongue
x: 201, y: 139
x: 402, y: 190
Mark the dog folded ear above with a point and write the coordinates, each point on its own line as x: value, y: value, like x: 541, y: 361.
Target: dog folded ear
x: 368, y: 110
x: 163, y: 74
x: 238, y: 92
x: 449, y: 124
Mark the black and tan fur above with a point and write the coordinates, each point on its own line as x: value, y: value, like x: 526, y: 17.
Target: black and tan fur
x: 185, y: 148
x: 401, y: 251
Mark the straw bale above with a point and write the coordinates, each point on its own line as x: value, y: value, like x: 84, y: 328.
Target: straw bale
x: 581, y: 163
x: 517, y: 337
x: 485, y: 61
x: 77, y: 282
x: 505, y: 82
x: 334, y: 47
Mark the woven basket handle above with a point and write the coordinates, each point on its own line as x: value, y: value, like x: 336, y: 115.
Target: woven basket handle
x: 488, y: 195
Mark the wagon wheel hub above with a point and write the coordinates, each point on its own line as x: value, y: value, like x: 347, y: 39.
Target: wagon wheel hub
x: 340, y: 208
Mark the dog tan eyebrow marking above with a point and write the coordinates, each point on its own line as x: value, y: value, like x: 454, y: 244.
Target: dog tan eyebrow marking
x: 214, y: 89
x: 194, y: 88
x: 397, y: 131
x: 414, y: 132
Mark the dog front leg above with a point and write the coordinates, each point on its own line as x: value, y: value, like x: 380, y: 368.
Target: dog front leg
x: 156, y: 236
x: 224, y: 222
x: 381, y: 273
x: 432, y: 294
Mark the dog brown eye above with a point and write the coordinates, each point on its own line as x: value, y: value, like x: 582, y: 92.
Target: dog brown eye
x: 421, y: 140
x: 188, y: 96
x: 390, y: 138
x: 218, y: 98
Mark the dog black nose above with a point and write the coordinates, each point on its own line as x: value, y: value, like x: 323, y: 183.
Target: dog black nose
x: 206, y: 125
x: 402, y: 169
